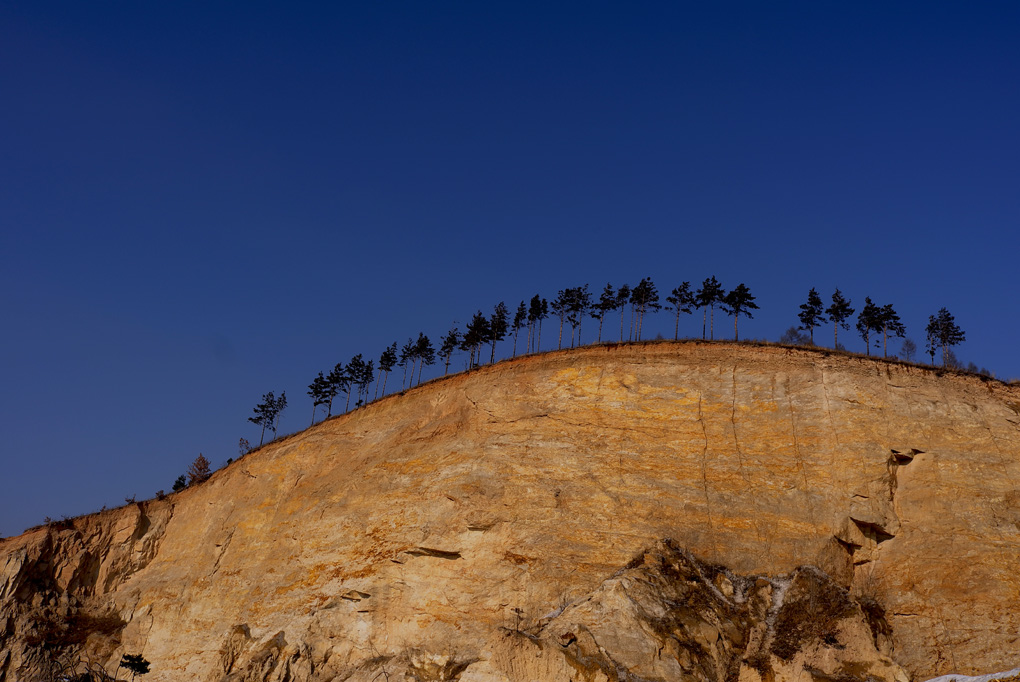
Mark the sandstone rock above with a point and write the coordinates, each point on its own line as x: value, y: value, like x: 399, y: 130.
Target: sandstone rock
x: 423, y: 527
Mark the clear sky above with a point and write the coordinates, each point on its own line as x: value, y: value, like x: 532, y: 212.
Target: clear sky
x: 202, y: 202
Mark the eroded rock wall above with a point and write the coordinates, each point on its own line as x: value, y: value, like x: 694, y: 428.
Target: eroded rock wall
x: 426, y: 523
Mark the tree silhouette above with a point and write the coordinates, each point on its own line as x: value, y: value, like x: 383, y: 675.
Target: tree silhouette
x: 199, y: 470
x: 644, y: 297
x: 839, y: 312
x: 520, y: 319
x: 476, y: 334
x: 907, y: 350
x: 449, y: 345
x: 278, y: 407
x: 943, y: 332
x: 868, y: 320
x: 811, y: 314
x: 707, y: 297
x: 135, y: 664
x: 406, y: 358
x: 932, y: 344
x: 387, y: 361
x: 681, y: 300
x: 622, y: 299
x: 794, y: 337
x: 413, y: 356
x: 365, y: 380
x: 356, y: 372
x: 606, y: 303
x: 266, y: 413
x: 560, y: 307
x: 318, y: 390
x: 739, y: 302
x: 180, y: 484
x: 544, y: 314
x: 498, y: 327
x: 888, y: 322
x: 425, y: 352
x: 339, y: 382
x: 534, y: 315
x: 578, y: 304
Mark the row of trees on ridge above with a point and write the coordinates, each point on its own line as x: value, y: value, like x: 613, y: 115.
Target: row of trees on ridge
x: 354, y: 379
x: 571, y: 306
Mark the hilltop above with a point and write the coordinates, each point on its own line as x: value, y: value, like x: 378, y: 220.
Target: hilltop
x: 570, y: 506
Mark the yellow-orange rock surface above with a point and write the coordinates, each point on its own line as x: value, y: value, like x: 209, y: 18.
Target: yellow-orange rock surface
x: 428, y: 525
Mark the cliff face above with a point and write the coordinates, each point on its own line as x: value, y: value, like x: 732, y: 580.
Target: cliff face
x: 486, y: 525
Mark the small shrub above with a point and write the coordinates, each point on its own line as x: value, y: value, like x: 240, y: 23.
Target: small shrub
x: 135, y: 664
x: 794, y: 337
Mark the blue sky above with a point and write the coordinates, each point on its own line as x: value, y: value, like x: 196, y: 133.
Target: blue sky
x: 199, y: 205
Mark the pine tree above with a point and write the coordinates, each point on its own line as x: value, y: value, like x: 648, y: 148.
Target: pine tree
x: 449, y: 345
x: 265, y: 415
x: 681, y: 300
x: 425, y: 352
x: 932, y: 343
x: 199, y: 470
x: 339, y: 382
x: 739, y: 302
x: 406, y: 357
x: 498, y: 327
x: 578, y: 303
x: 560, y: 306
x: 477, y: 333
x: 811, y: 314
x: 278, y: 407
x: 888, y: 322
x: 622, y: 299
x: 534, y: 315
x: 868, y: 320
x: 943, y: 331
x: 365, y: 380
x: 318, y: 391
x: 607, y: 303
x: 707, y: 297
x: 331, y: 390
x: 520, y: 319
x: 543, y: 314
x: 180, y: 484
x: 356, y: 373
x: 644, y: 297
x: 387, y: 361
x: 839, y: 312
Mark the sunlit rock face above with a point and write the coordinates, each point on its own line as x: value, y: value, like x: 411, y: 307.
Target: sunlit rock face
x: 508, y: 524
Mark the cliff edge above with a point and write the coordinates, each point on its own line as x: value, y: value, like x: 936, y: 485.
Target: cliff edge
x: 552, y: 515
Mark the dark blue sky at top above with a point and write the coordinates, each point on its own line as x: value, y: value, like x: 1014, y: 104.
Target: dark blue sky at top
x: 200, y: 203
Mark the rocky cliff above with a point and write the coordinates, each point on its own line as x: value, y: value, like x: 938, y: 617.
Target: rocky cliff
x: 655, y: 511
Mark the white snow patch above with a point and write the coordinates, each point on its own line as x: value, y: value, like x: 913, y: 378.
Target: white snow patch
x: 976, y: 678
